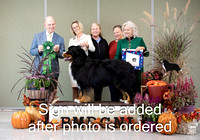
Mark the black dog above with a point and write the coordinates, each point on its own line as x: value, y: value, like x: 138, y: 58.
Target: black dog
x: 91, y: 73
x: 170, y: 66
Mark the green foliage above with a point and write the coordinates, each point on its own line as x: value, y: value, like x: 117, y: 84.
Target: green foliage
x: 38, y: 83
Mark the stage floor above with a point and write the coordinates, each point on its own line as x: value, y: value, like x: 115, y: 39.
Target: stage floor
x: 7, y: 132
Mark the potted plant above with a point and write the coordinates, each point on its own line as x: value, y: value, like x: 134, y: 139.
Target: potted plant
x: 147, y: 101
x: 36, y: 82
x: 153, y: 74
x: 188, y: 122
x: 153, y: 102
x: 185, y: 94
x: 156, y: 88
x: 173, y: 40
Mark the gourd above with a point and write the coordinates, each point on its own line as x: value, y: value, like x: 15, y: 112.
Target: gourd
x: 165, y: 118
x: 34, y: 113
x: 21, y: 119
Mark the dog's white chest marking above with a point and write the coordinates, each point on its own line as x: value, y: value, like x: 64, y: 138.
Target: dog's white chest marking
x: 163, y: 66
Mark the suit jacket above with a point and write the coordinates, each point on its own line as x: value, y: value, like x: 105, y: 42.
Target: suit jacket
x: 39, y: 39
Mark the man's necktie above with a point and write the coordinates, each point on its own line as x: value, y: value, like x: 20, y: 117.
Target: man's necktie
x: 49, y: 37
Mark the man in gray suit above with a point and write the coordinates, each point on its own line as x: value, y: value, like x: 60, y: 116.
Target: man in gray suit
x: 49, y: 35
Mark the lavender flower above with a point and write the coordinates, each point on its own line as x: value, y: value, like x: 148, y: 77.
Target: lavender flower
x: 146, y: 100
x: 42, y: 88
x: 138, y: 99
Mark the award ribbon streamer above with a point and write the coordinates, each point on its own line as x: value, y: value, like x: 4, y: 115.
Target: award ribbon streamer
x: 48, y: 50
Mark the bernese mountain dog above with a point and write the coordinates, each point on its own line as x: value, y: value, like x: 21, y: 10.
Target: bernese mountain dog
x: 90, y: 73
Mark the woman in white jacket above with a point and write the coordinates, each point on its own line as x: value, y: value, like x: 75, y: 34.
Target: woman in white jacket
x: 79, y: 39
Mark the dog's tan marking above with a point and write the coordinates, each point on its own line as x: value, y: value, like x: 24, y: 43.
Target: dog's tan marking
x: 86, y: 97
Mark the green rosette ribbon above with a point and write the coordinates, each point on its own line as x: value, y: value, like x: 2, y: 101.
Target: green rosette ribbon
x: 48, y: 50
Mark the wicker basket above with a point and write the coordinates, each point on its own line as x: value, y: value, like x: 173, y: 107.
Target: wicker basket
x: 38, y: 94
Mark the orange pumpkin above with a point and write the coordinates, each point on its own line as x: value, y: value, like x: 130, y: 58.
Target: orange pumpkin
x: 155, y: 83
x: 165, y: 118
x: 21, y: 119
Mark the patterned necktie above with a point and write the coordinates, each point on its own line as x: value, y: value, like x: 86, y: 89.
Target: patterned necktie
x: 49, y: 37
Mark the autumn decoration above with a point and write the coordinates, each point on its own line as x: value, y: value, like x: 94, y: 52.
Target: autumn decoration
x: 168, y: 117
x: 21, y: 120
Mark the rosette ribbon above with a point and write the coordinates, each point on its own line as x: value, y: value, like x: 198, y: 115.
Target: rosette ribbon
x: 48, y: 50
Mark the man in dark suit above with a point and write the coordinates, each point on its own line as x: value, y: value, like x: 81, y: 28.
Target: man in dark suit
x: 48, y: 35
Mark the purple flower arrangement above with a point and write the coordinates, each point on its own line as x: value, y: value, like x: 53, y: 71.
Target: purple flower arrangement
x: 146, y: 100
x: 184, y: 93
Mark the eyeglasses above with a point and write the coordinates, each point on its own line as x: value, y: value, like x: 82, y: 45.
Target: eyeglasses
x: 75, y: 27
